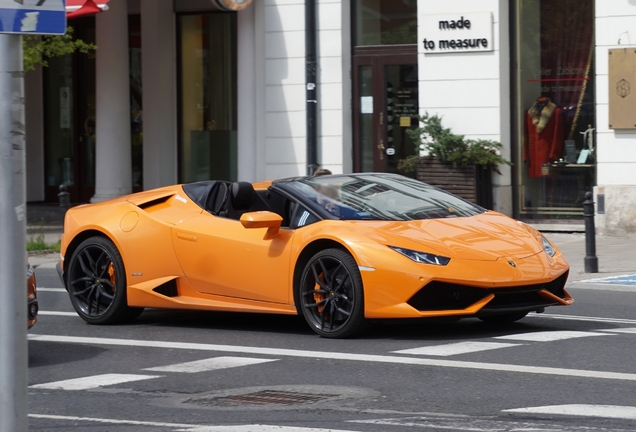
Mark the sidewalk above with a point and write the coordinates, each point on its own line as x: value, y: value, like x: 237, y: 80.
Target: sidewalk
x: 616, y: 255
x: 52, y: 234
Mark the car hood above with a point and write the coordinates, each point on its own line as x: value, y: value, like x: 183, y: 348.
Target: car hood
x: 488, y: 236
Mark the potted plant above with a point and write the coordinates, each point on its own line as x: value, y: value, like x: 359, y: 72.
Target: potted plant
x: 452, y: 162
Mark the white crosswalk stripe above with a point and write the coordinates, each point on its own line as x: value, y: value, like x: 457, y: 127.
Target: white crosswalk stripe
x: 57, y: 313
x: 57, y: 290
x: 478, y: 424
x: 210, y: 364
x: 549, y: 336
x: 631, y: 330
x: 455, y: 348
x: 583, y: 410
x: 185, y: 427
x: 94, y: 381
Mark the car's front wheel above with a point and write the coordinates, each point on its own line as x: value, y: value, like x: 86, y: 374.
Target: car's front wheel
x: 96, y: 282
x: 331, y: 295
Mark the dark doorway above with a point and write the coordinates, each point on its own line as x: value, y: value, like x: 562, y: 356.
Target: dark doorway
x: 385, y: 106
x: 69, y: 86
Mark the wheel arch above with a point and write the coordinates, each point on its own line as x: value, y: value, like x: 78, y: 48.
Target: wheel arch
x: 78, y: 239
x: 309, y: 251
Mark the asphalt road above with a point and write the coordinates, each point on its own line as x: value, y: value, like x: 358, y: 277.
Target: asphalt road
x: 569, y: 369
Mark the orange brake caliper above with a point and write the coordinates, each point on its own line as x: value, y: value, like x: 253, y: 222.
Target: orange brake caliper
x: 111, y: 273
x: 318, y: 297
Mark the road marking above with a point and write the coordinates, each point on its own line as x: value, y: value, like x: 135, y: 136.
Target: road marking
x: 477, y: 424
x: 455, y: 348
x: 60, y: 290
x: 584, y: 318
x: 621, y: 330
x: 257, y: 428
x: 94, y: 381
x: 188, y: 427
x: 210, y: 364
x: 603, y: 411
x: 549, y: 336
x: 545, y: 315
x: 629, y: 280
x: 339, y: 356
x: 57, y: 313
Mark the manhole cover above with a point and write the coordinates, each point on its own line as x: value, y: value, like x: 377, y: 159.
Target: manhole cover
x: 275, y: 397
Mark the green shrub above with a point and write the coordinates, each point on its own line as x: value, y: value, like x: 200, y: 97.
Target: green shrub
x: 439, y: 142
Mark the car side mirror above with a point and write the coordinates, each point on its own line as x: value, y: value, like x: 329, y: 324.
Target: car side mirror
x: 263, y: 219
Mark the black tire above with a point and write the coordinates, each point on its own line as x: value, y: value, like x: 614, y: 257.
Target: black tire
x: 96, y: 283
x: 503, y: 318
x: 331, y: 296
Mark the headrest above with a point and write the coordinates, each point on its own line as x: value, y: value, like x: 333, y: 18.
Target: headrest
x: 243, y: 195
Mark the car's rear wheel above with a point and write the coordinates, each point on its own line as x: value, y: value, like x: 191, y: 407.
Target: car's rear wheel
x: 331, y: 295
x: 96, y: 282
x: 503, y: 318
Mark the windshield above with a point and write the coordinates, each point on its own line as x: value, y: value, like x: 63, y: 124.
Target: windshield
x: 382, y: 197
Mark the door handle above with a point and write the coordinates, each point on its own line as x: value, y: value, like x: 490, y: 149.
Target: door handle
x: 381, y: 147
x: 185, y: 236
x: 381, y: 118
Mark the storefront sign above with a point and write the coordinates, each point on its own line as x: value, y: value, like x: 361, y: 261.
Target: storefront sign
x: 457, y: 32
x: 622, y: 78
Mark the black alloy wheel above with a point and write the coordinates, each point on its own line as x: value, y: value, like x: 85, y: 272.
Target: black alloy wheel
x: 96, y: 282
x: 331, y: 295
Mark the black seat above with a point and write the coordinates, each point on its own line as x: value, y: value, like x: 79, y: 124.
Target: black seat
x: 217, y: 199
x: 242, y: 196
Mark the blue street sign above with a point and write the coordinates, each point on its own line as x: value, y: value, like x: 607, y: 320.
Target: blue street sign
x: 33, y: 17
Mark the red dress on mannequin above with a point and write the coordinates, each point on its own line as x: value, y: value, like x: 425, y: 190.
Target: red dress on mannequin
x: 543, y: 130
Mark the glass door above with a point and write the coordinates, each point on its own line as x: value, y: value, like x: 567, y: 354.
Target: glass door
x: 385, y: 107
x: 69, y: 84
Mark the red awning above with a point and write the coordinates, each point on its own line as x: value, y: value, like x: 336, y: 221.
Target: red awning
x: 78, y: 8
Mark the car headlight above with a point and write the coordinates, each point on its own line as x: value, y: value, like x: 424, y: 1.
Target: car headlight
x: 547, y: 246
x: 422, y: 257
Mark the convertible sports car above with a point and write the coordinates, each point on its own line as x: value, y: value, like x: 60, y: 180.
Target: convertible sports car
x: 341, y: 250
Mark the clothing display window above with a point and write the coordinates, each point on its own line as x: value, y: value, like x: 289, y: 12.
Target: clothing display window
x: 555, y: 163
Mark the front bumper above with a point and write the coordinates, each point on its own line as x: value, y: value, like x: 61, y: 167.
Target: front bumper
x: 437, y: 296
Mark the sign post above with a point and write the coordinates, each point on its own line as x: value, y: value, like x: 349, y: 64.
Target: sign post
x: 17, y: 17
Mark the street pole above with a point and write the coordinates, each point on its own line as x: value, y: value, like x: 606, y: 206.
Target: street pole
x: 13, y: 299
x: 591, y: 260
x: 311, y: 89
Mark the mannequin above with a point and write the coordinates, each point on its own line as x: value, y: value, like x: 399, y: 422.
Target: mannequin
x: 543, y: 135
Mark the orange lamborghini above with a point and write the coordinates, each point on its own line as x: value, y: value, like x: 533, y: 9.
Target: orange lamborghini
x: 341, y: 250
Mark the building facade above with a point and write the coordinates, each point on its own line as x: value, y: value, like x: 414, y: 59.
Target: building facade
x: 189, y: 90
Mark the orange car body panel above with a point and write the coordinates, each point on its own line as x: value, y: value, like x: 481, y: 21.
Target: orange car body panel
x: 221, y: 264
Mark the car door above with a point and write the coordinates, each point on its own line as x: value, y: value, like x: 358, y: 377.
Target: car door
x: 222, y: 257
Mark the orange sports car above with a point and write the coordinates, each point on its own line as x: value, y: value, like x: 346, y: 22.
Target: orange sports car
x: 341, y: 250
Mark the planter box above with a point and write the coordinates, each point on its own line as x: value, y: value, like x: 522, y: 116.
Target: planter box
x: 472, y: 183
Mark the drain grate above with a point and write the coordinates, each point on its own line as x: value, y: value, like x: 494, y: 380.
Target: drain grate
x: 273, y: 397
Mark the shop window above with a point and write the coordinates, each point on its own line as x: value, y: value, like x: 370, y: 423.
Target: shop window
x: 555, y: 107
x: 136, y: 107
x: 385, y: 22
x: 208, y: 97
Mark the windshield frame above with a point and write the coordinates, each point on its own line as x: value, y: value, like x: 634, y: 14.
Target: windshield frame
x: 355, y: 204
